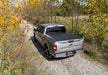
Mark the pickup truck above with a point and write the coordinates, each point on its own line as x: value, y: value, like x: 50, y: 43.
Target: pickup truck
x: 56, y: 41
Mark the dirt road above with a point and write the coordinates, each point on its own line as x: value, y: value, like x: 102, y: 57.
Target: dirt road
x: 39, y: 65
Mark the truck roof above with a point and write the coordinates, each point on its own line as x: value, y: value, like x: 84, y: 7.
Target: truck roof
x: 50, y: 24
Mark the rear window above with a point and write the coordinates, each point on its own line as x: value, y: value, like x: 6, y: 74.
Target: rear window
x: 56, y: 29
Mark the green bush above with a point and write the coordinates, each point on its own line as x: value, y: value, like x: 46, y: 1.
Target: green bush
x: 92, y: 32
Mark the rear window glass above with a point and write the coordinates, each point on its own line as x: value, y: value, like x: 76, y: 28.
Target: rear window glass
x: 56, y: 29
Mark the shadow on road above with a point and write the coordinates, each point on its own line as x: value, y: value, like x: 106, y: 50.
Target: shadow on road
x: 41, y: 50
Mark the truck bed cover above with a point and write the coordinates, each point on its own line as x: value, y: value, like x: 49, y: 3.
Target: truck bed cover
x: 62, y: 36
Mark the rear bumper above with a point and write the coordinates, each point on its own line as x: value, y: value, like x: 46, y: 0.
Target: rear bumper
x: 63, y: 54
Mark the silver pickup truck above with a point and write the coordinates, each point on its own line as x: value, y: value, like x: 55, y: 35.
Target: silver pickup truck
x: 57, y: 42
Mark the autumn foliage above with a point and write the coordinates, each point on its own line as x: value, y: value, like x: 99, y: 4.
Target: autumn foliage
x: 10, y: 19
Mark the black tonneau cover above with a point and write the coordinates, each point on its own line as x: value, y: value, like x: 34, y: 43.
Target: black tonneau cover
x: 62, y: 36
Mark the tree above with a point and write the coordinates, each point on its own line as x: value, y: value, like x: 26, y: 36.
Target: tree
x: 67, y: 6
x: 96, y: 6
x: 53, y: 5
x: 97, y: 11
x: 10, y: 18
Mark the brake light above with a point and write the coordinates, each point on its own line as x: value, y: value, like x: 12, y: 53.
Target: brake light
x: 83, y: 43
x: 54, y: 47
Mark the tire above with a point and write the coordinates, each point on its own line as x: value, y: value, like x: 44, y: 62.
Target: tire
x: 47, y: 54
x: 35, y: 38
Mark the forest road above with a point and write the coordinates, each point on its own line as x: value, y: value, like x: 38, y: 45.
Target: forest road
x: 77, y: 65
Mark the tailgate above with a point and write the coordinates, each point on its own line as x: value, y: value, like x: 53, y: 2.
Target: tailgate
x: 64, y: 46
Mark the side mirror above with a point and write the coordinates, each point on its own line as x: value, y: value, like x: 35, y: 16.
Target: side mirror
x: 34, y: 29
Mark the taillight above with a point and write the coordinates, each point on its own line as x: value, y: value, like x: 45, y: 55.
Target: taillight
x: 54, y: 47
x: 83, y: 43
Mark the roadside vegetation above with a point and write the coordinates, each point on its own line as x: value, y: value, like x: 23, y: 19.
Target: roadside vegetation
x: 11, y: 37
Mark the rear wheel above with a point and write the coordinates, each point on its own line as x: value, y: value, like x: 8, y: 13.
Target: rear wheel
x: 47, y: 54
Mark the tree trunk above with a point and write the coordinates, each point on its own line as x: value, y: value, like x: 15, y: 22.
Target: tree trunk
x: 72, y: 15
x: 106, y: 7
x: 55, y: 14
x: 55, y: 18
x: 78, y: 15
x: 51, y: 14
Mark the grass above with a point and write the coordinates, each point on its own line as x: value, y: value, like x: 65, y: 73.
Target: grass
x: 12, y: 64
x: 90, y: 53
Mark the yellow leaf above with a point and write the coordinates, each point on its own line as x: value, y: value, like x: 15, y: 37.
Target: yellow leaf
x: 6, y: 34
x: 0, y: 44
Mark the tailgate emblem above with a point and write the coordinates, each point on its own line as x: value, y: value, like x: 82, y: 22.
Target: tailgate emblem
x: 70, y: 44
